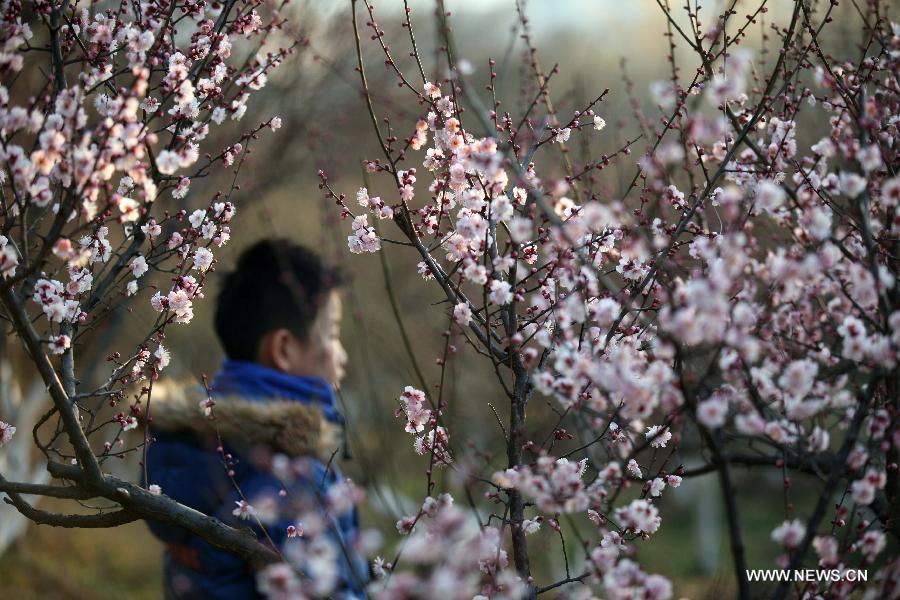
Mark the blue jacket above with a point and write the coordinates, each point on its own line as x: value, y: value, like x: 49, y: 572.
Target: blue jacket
x: 279, y: 434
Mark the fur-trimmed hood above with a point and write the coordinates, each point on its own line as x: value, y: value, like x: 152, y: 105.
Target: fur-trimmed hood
x: 284, y: 425
x: 254, y: 409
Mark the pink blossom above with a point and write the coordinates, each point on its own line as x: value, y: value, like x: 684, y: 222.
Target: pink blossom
x: 562, y: 135
x: 869, y: 158
x: 203, y: 259
x: 871, y: 544
x: 789, y: 534
x: 769, y: 195
x: 413, y: 403
x: 462, y: 314
x: 6, y: 433
x: 639, y: 516
x: 827, y: 549
x: 501, y: 292
x: 432, y: 90
x: 364, y: 238
x: 168, y: 162
x: 279, y: 580
x: 244, y: 510
x: 60, y: 344
x: 138, y: 266
x: 712, y: 413
x: 852, y: 185
x: 658, y: 435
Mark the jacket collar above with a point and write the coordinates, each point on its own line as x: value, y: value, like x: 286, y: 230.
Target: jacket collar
x: 258, y: 382
x: 283, y: 424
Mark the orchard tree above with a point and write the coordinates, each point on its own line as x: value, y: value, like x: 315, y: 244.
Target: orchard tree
x: 738, y: 294
x: 108, y: 112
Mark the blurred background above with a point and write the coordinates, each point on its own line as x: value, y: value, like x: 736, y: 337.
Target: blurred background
x: 598, y: 44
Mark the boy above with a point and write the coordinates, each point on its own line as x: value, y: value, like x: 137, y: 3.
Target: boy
x: 272, y: 406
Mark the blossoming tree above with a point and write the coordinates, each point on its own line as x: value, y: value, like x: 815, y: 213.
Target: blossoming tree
x: 108, y: 111
x: 739, y: 293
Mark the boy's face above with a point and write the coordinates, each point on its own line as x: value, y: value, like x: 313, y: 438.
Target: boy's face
x: 325, y: 338
x: 321, y: 355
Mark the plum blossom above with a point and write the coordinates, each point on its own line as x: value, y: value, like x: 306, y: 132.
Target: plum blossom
x: 197, y: 218
x: 462, y: 314
x: 279, y: 580
x: 60, y: 344
x: 168, y: 162
x: 151, y: 229
x: 871, y: 544
x: 530, y: 526
x: 863, y: 490
x: 162, y: 356
x: 562, y: 135
x: 412, y: 402
x: 501, y: 292
x: 634, y: 468
x: 852, y: 184
x: 639, y: 516
x: 6, y: 433
x: 658, y: 435
x: 203, y: 259
x: 770, y: 196
x: 555, y: 484
x: 713, y: 412
x: 827, y: 549
x: 789, y: 534
x: 853, y: 332
x: 797, y: 379
x: 663, y: 93
x: 9, y: 259
x: 179, y: 300
x: 244, y: 510
x: 364, y: 238
x: 343, y: 496
x: 869, y: 158
x: 138, y: 266
x: 432, y: 90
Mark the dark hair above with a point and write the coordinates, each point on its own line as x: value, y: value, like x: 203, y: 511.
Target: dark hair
x: 276, y: 284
